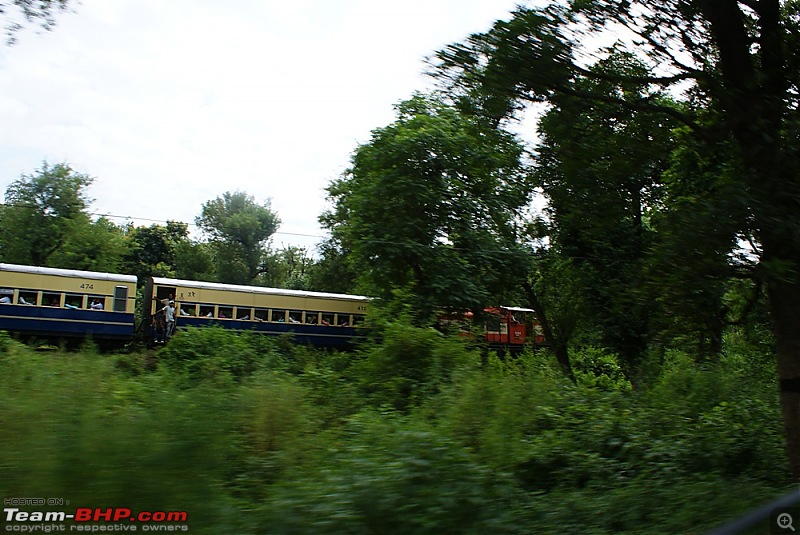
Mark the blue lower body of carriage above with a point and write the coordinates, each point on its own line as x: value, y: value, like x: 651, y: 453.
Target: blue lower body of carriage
x: 65, y: 322
x: 301, y: 333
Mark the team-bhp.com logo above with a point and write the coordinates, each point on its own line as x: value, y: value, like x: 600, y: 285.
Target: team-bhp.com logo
x: 95, y: 519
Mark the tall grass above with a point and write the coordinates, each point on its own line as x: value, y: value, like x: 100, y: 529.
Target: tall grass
x: 415, y: 433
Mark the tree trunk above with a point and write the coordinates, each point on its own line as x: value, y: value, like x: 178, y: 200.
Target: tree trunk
x: 558, y: 345
x: 784, y: 300
x: 754, y: 94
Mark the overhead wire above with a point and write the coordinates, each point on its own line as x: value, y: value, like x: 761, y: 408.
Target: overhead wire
x: 151, y: 220
x: 282, y: 233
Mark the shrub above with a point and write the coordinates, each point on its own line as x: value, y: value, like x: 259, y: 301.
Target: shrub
x: 390, y: 475
x: 598, y: 368
x: 408, y: 365
x: 209, y: 354
x: 74, y: 427
x: 5, y: 342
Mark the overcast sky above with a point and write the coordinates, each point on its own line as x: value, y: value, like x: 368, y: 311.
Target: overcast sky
x: 170, y: 103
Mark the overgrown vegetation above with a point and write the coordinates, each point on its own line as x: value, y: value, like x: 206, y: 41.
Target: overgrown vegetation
x: 417, y: 433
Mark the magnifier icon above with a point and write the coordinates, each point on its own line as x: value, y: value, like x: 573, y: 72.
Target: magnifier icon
x: 785, y: 521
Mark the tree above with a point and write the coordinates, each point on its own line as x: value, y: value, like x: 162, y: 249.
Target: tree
x: 695, y: 257
x: 332, y: 271
x: 238, y: 229
x: 429, y: 206
x: 194, y: 261
x: 97, y: 245
x: 40, y: 212
x: 287, y: 268
x: 599, y: 166
x: 738, y: 60
x: 41, y: 11
x: 153, y: 249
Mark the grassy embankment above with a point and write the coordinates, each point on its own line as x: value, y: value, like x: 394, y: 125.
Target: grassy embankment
x: 419, y: 434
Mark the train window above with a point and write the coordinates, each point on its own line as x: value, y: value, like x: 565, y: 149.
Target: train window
x: 261, y: 314
x: 492, y: 323
x: 73, y: 301
x: 187, y: 309
x: 165, y: 294
x: 358, y: 319
x: 6, y: 296
x: 27, y: 298
x: 225, y: 312
x: 279, y: 316
x: 343, y: 320
x: 96, y: 302
x: 312, y: 318
x: 328, y: 319
x: 295, y: 316
x: 242, y: 313
x: 207, y: 311
x: 120, y: 298
x: 50, y: 299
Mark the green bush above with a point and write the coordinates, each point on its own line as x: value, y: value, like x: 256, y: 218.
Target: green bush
x: 415, y: 433
x: 5, y: 342
x: 276, y: 435
x: 408, y: 364
x: 74, y: 427
x: 210, y: 354
x: 598, y: 368
x: 390, y: 475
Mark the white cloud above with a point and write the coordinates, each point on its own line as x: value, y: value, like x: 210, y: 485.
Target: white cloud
x: 171, y: 103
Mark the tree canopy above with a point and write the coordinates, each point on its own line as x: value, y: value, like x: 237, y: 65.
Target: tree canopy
x: 732, y: 65
x: 42, y: 12
x: 431, y: 205
x: 239, y: 229
x: 39, y: 212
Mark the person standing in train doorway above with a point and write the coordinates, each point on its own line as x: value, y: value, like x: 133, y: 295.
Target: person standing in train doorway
x: 159, y: 326
x: 169, y: 317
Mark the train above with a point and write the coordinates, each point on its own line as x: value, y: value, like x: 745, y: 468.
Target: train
x: 55, y: 303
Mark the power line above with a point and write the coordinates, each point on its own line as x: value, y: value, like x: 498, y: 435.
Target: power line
x: 478, y: 251
x: 150, y: 220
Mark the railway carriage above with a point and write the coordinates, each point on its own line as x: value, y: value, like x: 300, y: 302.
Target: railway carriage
x: 64, y: 303
x: 52, y: 303
x: 512, y: 327
x: 317, y: 318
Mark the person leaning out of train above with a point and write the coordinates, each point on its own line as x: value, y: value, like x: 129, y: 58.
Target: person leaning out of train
x: 5, y: 300
x: 96, y: 304
x: 169, y: 317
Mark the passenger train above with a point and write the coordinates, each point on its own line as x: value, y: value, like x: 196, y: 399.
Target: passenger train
x: 63, y: 303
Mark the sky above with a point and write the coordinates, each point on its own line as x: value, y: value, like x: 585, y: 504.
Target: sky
x: 171, y: 103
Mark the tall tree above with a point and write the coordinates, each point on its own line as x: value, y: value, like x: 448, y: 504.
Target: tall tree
x: 332, y: 271
x: 696, y: 255
x: 41, y: 209
x: 194, y: 261
x: 41, y: 11
x: 239, y: 229
x: 739, y: 59
x: 97, y: 245
x: 287, y: 267
x: 599, y: 166
x: 153, y: 249
x: 430, y: 205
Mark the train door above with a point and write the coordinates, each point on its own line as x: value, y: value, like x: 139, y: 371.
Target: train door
x: 162, y: 295
x: 507, y: 326
x: 165, y: 294
x: 515, y: 325
x: 495, y: 329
